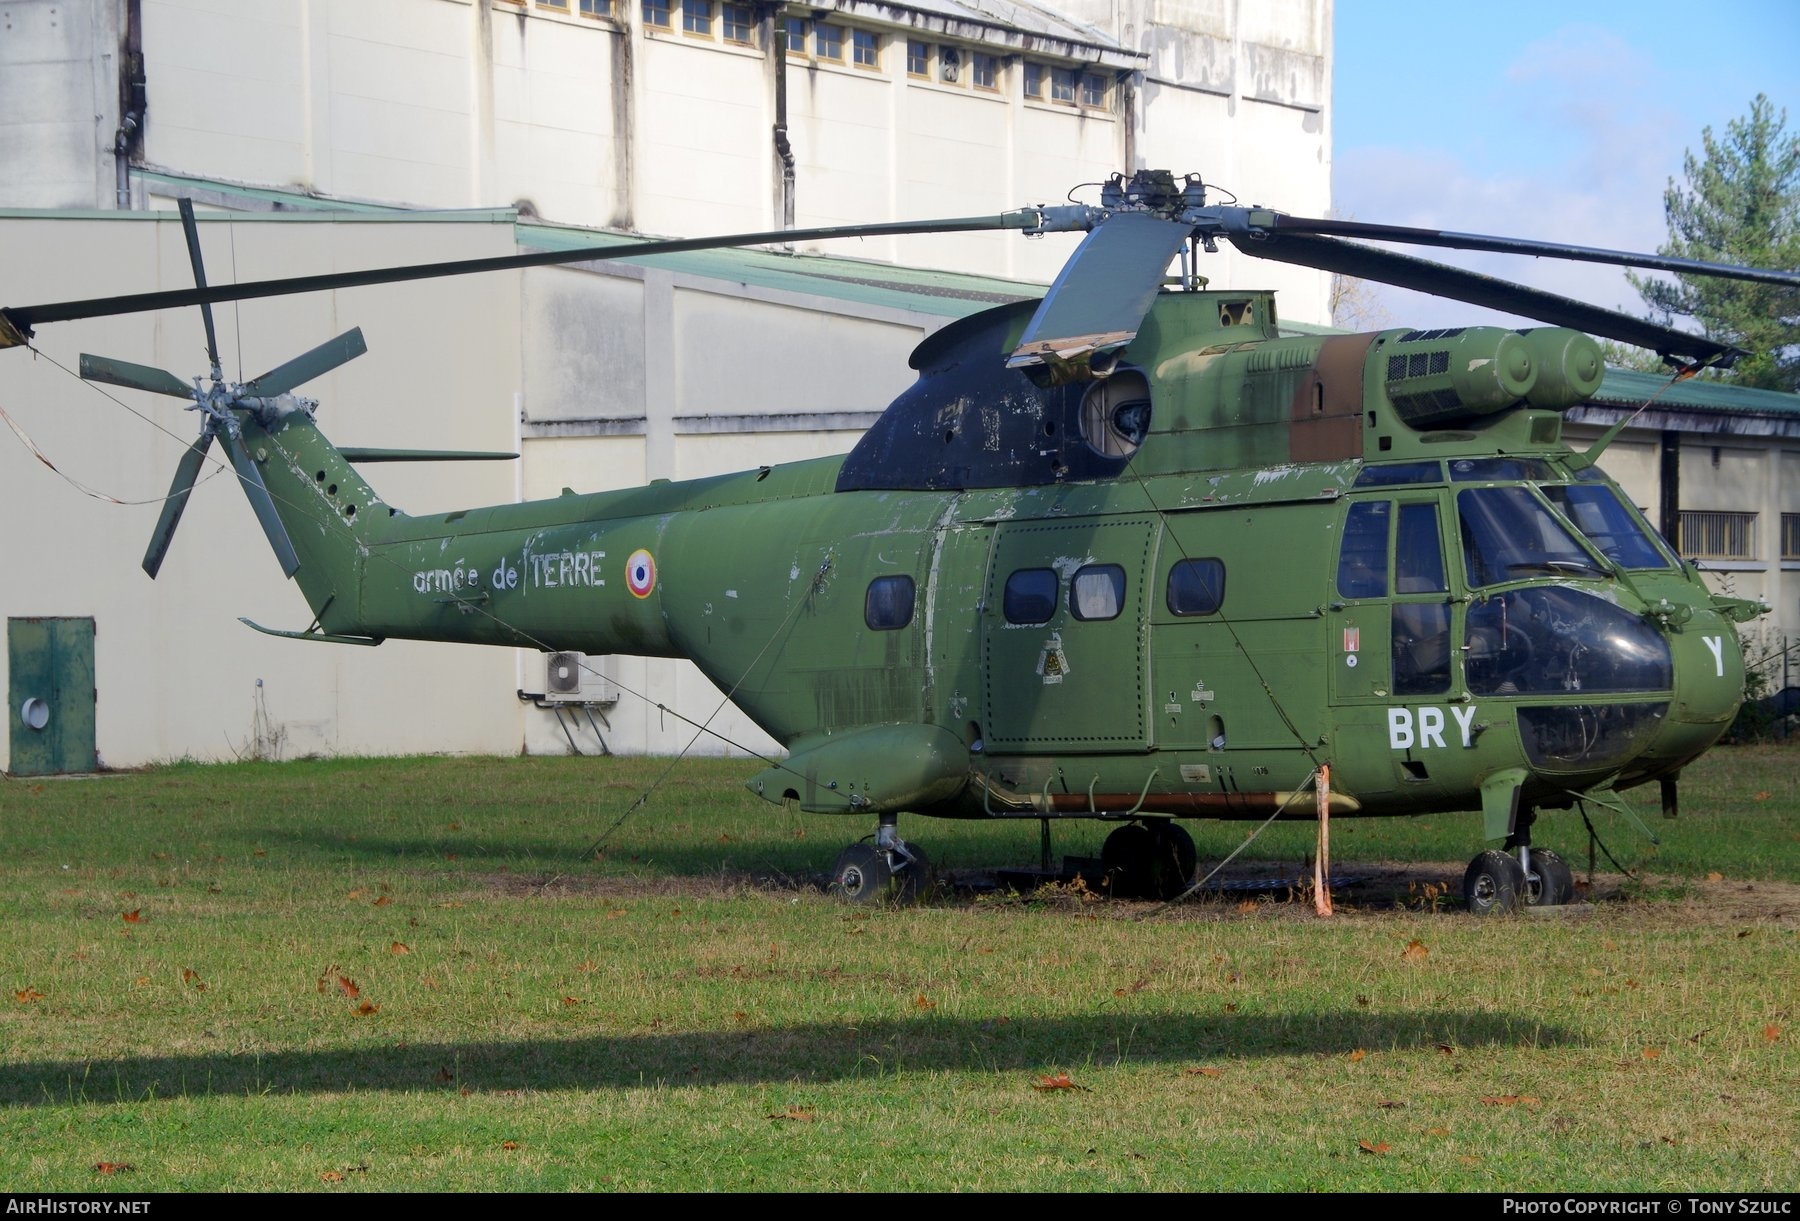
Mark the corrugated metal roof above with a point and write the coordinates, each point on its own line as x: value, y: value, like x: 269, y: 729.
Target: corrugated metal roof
x: 1625, y: 388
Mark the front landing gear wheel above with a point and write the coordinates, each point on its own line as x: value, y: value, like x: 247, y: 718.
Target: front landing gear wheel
x: 861, y: 875
x: 1550, y: 882
x: 912, y: 879
x: 1494, y: 883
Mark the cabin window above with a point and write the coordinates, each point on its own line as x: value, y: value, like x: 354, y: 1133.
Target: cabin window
x: 888, y: 606
x: 1196, y: 587
x: 1421, y: 648
x: 1030, y: 595
x: 1097, y: 592
x: 1363, y: 561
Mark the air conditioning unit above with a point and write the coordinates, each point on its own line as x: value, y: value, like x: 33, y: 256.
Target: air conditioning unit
x: 562, y: 675
x: 572, y: 678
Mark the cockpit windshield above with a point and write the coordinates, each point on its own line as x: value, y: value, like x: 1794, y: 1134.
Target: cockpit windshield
x: 1616, y: 531
x: 1510, y: 535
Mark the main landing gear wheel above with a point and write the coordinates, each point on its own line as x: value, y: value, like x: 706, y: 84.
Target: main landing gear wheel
x: 1494, y: 883
x: 1142, y: 862
x: 1550, y: 882
x: 866, y: 874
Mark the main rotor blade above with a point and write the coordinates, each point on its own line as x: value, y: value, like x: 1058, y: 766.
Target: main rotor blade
x: 186, y: 472
x: 25, y: 318
x: 308, y: 365
x: 192, y: 231
x: 263, y: 503
x: 1317, y: 226
x: 1101, y: 295
x: 137, y: 377
x: 1404, y: 271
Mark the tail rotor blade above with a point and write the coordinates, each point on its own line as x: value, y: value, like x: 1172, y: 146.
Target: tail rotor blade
x: 185, y: 474
x: 263, y: 503
x: 137, y: 377
x: 192, y: 231
x: 308, y: 365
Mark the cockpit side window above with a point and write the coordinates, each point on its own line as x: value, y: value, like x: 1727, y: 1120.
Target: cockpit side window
x: 1418, y: 558
x: 1362, y: 563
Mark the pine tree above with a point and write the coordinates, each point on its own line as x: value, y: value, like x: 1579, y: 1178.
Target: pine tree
x: 1741, y: 205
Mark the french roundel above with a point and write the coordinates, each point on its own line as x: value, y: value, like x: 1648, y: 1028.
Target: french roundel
x: 640, y: 573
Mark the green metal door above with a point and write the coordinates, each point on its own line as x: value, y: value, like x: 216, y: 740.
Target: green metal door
x: 50, y: 696
x: 1064, y: 636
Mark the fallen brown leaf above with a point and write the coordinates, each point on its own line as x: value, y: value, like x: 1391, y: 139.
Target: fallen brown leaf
x: 1060, y: 1081
x: 399, y: 947
x: 921, y: 1001
x: 28, y: 994
x: 799, y: 1114
x: 113, y: 1167
x: 365, y: 1009
x: 332, y: 1176
x: 1415, y: 951
x: 1771, y: 1033
x: 1372, y: 1147
x: 1651, y: 1053
x: 1205, y: 1072
x: 1356, y: 1056
x: 134, y: 916
x: 509, y: 1144
x: 383, y: 901
x: 1508, y: 1100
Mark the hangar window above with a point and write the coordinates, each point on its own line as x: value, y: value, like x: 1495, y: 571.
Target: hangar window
x: 828, y: 42
x: 984, y: 71
x: 656, y: 14
x: 740, y: 24
x: 697, y: 17
x: 1030, y: 595
x: 918, y: 58
x: 865, y: 48
x: 888, y: 606
x: 1196, y: 587
x: 1097, y: 592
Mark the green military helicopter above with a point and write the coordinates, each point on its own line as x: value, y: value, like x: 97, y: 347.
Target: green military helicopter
x: 1128, y: 553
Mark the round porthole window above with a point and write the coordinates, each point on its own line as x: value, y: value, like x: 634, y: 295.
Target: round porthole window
x: 35, y: 713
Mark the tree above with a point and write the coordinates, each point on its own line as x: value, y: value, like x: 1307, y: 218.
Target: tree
x: 1741, y: 205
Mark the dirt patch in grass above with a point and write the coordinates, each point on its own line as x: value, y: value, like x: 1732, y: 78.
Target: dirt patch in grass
x: 1248, y: 890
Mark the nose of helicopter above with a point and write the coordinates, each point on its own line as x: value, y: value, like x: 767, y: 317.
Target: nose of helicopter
x: 1708, y: 665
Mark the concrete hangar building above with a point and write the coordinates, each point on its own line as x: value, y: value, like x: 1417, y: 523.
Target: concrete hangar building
x: 322, y: 135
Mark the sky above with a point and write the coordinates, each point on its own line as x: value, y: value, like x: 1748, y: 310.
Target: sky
x: 1557, y: 121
